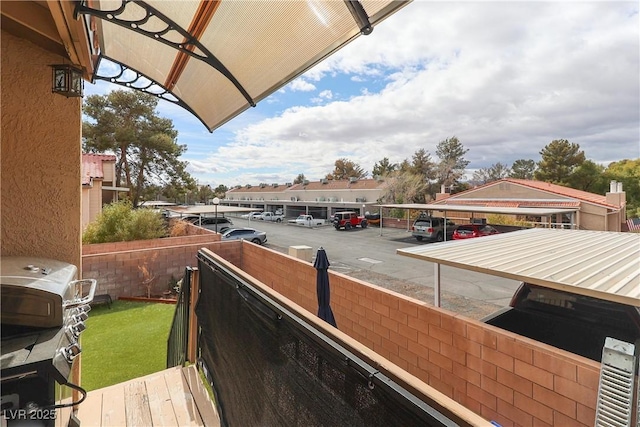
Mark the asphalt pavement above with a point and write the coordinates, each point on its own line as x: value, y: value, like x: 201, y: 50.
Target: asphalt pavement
x: 370, y: 255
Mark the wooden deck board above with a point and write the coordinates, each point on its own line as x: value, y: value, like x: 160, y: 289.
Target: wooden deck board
x: 137, y: 404
x: 201, y: 396
x: 113, y: 409
x: 90, y: 411
x: 160, y: 403
x: 173, y: 397
x: 183, y: 403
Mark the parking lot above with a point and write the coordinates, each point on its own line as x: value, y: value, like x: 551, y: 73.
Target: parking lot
x: 370, y: 255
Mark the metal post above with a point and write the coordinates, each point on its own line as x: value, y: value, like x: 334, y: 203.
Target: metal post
x: 436, y: 284
x: 216, y: 202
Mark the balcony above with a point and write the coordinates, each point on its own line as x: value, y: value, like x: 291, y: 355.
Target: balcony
x: 460, y: 367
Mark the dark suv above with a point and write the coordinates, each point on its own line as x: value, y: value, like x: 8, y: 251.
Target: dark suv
x: 432, y: 228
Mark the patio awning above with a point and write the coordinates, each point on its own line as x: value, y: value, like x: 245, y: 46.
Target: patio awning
x: 218, y: 58
x: 599, y: 264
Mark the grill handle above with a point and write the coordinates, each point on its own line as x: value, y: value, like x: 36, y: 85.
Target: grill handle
x: 81, y: 300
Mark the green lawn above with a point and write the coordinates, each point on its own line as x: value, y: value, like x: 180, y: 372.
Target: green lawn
x: 124, y: 342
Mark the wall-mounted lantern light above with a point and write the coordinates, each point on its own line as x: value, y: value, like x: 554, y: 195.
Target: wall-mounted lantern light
x: 67, y: 80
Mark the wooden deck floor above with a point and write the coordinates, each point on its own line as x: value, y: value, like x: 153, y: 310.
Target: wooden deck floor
x: 173, y: 397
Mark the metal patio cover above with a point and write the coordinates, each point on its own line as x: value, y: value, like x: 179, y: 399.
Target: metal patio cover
x: 218, y: 58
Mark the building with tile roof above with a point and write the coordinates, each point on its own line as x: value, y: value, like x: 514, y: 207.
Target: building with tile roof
x: 594, y: 211
x: 98, y: 184
x: 318, y: 198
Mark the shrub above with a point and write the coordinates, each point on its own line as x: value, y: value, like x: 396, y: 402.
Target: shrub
x: 119, y: 222
x: 499, y: 219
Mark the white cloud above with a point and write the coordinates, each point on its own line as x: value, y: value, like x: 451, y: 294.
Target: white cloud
x: 301, y: 85
x: 506, y: 78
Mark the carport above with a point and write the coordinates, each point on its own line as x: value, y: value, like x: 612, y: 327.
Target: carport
x: 541, y: 212
x: 207, y: 209
x: 599, y: 264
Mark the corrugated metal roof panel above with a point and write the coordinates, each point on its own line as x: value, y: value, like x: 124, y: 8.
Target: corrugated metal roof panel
x: 601, y: 264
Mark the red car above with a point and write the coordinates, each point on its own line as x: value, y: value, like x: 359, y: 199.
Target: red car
x: 468, y: 231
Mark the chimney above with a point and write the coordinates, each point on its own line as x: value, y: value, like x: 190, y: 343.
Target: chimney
x: 616, y: 196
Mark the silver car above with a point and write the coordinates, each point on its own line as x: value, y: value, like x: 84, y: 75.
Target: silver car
x: 254, y: 236
x: 432, y: 229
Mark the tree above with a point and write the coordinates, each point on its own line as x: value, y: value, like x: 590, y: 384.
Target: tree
x: 220, y: 191
x: 405, y: 188
x: 452, y: 162
x: 589, y: 176
x: 421, y: 164
x: 345, y: 169
x: 299, y: 179
x: 494, y: 172
x: 204, y: 193
x: 384, y: 167
x: 559, y: 159
x: 125, y: 123
x: 523, y: 169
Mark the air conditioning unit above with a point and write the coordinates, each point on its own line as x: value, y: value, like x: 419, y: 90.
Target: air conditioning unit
x: 274, y: 185
x: 248, y: 185
x: 360, y: 200
x: 479, y: 221
x: 263, y: 185
x: 288, y: 184
x: 353, y: 179
x: 294, y: 199
x: 305, y: 182
x: 324, y: 181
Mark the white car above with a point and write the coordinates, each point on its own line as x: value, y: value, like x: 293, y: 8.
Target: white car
x: 252, y: 215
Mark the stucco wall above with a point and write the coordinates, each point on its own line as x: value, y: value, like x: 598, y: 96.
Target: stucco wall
x: 40, y: 165
x: 499, y: 375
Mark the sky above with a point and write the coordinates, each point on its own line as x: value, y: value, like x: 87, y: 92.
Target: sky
x: 506, y: 78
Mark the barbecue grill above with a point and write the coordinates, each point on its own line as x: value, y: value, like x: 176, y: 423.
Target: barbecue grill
x: 43, y: 312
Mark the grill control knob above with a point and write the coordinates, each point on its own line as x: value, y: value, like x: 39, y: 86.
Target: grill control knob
x: 71, y: 351
x: 76, y: 329
x: 80, y: 317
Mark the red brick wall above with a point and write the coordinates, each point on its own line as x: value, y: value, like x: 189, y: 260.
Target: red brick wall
x: 499, y: 375
x: 116, y: 265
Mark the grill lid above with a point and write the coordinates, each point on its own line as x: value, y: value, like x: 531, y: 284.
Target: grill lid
x: 34, y: 290
x: 39, y: 273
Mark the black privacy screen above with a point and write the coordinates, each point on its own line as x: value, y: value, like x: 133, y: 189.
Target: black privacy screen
x: 269, y: 367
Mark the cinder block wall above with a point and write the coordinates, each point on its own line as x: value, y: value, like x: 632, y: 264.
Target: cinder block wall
x: 116, y: 265
x: 499, y: 375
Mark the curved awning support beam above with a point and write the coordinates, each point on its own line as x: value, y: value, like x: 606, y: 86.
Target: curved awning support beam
x: 188, y: 46
x: 133, y: 79
x: 360, y: 16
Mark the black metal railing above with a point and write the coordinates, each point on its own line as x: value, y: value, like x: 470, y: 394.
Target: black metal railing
x: 178, y: 336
